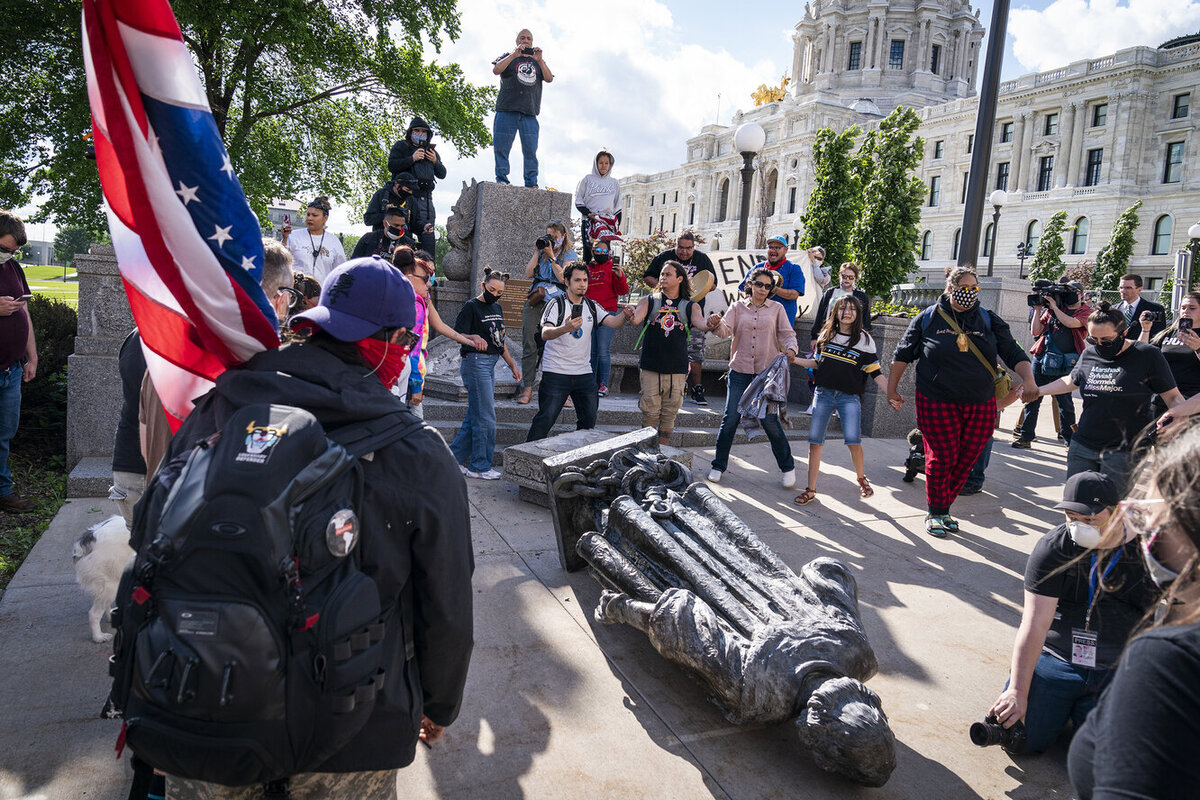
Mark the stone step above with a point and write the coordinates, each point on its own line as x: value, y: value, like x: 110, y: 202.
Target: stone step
x: 614, y: 410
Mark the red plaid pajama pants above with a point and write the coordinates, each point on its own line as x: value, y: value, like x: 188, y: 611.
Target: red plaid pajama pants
x: 955, y: 435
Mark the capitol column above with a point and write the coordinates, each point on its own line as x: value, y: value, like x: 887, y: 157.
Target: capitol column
x: 1020, y: 149
x: 1077, y: 143
x: 868, y: 58
x: 1062, y: 166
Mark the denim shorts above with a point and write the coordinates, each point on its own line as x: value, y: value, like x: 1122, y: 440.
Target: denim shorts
x: 849, y: 408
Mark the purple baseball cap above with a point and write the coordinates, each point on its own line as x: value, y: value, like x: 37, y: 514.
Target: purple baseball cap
x: 361, y: 297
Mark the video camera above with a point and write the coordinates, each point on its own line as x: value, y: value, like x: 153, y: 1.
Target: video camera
x: 1063, y: 294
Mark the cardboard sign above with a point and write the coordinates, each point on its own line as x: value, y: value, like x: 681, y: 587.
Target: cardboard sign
x: 733, y: 266
x: 512, y: 301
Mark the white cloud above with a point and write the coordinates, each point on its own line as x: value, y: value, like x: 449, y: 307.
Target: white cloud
x: 1070, y: 30
x: 626, y: 77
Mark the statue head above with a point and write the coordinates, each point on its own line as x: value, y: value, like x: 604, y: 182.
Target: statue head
x: 845, y: 729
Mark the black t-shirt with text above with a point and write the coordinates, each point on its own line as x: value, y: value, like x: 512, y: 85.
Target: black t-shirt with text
x: 1116, y: 614
x: 1117, y: 393
x: 664, y: 341
x: 844, y: 368
x: 520, y: 85
x: 1184, y: 365
x: 483, y: 319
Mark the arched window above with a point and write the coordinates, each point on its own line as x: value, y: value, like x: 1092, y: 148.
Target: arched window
x: 1033, y: 232
x: 926, y: 245
x: 989, y: 233
x: 723, y: 200
x: 1164, y: 226
x: 1080, y: 236
x: 954, y: 248
x: 769, y: 191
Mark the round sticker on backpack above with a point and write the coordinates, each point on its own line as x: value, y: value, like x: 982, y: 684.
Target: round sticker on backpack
x: 341, y: 534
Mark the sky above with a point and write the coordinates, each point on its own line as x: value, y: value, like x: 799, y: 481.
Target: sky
x: 639, y: 77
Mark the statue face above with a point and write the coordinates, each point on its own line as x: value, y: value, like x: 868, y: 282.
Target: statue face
x: 844, y: 728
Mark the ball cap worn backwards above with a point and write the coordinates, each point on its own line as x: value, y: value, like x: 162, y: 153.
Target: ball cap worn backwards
x: 1088, y: 493
x: 361, y: 297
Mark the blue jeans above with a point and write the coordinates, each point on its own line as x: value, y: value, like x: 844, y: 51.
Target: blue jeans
x: 10, y: 417
x: 1113, y: 463
x: 504, y: 129
x: 476, y: 438
x: 1066, y: 407
x: 975, y: 476
x: 553, y: 392
x: 849, y: 408
x: 602, y: 338
x: 1059, y: 691
x: 780, y: 447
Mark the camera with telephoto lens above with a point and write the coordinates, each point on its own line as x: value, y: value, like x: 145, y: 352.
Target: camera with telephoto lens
x: 542, y: 243
x: 991, y: 732
x: 1044, y: 288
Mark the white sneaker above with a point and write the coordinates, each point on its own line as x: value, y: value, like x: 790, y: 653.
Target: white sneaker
x: 714, y: 475
x: 463, y: 469
x: 789, y: 479
x: 490, y: 475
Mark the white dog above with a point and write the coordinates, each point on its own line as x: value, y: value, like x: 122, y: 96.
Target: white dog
x: 100, y: 557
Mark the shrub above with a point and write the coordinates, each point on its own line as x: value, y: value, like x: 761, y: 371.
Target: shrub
x: 43, y: 430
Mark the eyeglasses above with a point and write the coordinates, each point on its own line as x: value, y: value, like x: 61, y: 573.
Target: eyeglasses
x: 293, y: 296
x: 600, y: 252
x: 1139, y: 517
x: 760, y: 285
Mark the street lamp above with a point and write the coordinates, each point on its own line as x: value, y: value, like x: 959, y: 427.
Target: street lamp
x: 797, y: 224
x: 747, y: 140
x: 1023, y: 252
x: 997, y: 198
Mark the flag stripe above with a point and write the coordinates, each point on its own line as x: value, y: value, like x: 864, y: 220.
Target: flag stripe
x: 163, y: 68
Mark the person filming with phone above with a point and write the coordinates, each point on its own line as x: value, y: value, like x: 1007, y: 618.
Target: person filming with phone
x: 569, y: 322
x: 18, y: 350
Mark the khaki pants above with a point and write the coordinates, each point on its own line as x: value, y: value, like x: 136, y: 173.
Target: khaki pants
x: 377, y: 785
x: 662, y: 397
x: 126, y: 490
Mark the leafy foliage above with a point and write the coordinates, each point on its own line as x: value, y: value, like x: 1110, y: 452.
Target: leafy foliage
x: 1048, y: 259
x: 43, y: 429
x: 70, y: 241
x: 46, y: 485
x: 308, y: 94
x: 1113, y: 259
x: 885, y: 237
x: 1082, y: 272
x: 636, y: 254
x: 836, y: 198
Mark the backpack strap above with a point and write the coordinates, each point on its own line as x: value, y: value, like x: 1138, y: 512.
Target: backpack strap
x: 991, y: 368
x: 360, y: 438
x: 655, y: 305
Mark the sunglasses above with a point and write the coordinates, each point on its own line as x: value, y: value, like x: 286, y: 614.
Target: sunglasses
x: 600, y: 252
x: 1092, y: 340
x: 972, y: 289
x: 760, y: 285
x: 409, y: 340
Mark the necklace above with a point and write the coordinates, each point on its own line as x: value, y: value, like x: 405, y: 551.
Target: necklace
x: 316, y: 248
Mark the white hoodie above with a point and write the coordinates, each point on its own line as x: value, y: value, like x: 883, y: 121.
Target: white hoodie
x: 599, y: 194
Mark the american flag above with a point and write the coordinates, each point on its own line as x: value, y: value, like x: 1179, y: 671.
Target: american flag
x: 188, y: 247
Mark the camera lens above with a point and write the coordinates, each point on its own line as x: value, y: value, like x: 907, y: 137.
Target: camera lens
x: 986, y: 734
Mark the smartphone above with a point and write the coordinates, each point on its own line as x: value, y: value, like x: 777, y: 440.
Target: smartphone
x: 576, y: 310
x: 1185, y: 323
x: 25, y: 297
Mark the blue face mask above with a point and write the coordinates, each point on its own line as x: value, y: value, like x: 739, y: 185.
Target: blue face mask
x: 420, y: 137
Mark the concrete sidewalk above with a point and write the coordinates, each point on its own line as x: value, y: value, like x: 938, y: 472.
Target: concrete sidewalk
x: 559, y: 706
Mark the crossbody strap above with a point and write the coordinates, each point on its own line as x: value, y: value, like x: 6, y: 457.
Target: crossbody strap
x: 990, y: 367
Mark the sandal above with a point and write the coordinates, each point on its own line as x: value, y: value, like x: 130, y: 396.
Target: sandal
x: 936, y: 526
x: 951, y: 523
x: 864, y: 488
x: 807, y: 496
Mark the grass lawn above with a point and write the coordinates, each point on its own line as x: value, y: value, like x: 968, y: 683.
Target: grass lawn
x: 43, y: 273
x: 57, y: 290
x: 47, y: 488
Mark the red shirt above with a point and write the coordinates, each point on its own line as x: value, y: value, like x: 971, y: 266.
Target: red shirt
x: 14, y: 329
x: 606, y: 285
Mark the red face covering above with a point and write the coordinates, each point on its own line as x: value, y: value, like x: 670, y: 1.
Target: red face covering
x: 386, y: 359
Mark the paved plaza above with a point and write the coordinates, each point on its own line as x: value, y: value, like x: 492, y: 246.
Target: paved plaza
x: 560, y: 706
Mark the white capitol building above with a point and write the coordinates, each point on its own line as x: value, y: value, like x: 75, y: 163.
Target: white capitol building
x: 1090, y: 138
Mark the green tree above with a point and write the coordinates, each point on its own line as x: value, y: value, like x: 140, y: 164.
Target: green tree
x: 1113, y: 259
x: 885, y: 236
x: 1048, y: 259
x: 636, y: 254
x: 442, y: 246
x: 70, y: 241
x: 308, y: 94
x: 836, y: 198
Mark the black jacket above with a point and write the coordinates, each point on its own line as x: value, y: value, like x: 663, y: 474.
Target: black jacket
x: 827, y: 300
x: 1160, y: 322
x: 386, y: 196
x: 947, y: 374
x: 376, y: 243
x: 416, y: 532
x: 400, y: 159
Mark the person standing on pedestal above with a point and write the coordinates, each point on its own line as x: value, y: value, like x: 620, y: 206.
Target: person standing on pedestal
x: 416, y: 154
x: 598, y: 195
x: 522, y: 73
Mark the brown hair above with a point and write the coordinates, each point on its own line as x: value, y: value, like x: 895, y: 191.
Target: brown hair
x: 831, y: 327
x: 772, y: 276
x: 1174, y: 327
x: 1106, y: 314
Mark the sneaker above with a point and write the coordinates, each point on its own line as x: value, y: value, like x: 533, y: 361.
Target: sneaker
x: 463, y: 469
x: 603, y: 390
x: 698, y: 395
x: 789, y: 479
x: 970, y: 490
x: 490, y: 475
x: 714, y: 475
x: 1022, y: 444
x: 15, y: 504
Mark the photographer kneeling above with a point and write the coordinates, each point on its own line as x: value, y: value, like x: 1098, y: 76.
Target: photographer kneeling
x: 1086, y: 589
x: 1059, y: 332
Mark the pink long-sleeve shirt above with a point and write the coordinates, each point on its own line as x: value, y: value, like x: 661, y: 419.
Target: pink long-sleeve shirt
x: 759, y: 334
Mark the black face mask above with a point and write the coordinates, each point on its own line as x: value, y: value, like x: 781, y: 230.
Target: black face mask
x: 600, y: 256
x: 1110, y: 349
x: 393, y: 232
x: 489, y: 298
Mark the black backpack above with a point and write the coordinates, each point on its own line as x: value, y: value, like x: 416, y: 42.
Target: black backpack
x: 249, y: 641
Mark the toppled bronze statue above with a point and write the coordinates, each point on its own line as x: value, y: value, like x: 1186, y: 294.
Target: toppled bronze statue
x: 769, y: 645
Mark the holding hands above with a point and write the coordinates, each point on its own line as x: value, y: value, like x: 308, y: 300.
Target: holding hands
x: 714, y: 320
